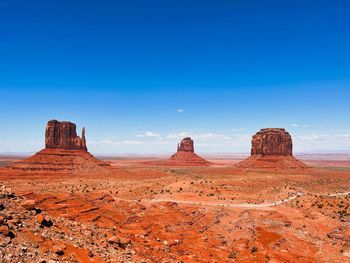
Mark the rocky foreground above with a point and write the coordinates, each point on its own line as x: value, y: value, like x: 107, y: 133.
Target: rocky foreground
x: 29, y: 234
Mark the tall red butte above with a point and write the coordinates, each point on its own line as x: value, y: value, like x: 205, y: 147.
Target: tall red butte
x: 63, y: 135
x: 272, y: 148
x: 64, y: 151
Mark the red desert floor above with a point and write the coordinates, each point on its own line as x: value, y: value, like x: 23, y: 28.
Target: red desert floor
x: 141, y: 212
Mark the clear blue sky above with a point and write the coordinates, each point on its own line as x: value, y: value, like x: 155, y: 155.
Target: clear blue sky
x: 139, y: 75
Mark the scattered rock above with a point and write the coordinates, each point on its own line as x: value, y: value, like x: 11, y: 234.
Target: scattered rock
x: 43, y: 221
x: 58, y: 250
x: 341, y: 233
x: 29, y: 204
x: 113, y: 240
x: 2, y: 219
x: 4, y: 230
x: 120, y: 241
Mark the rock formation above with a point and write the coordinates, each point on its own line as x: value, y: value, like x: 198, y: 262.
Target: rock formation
x: 186, y: 145
x: 64, y: 152
x: 272, y: 141
x: 185, y: 155
x: 272, y: 148
x: 63, y: 135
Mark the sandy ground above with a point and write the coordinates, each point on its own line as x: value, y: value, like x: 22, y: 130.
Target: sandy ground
x: 145, y: 213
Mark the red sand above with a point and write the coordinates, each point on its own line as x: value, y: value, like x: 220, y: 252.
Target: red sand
x: 271, y: 162
x: 218, y: 213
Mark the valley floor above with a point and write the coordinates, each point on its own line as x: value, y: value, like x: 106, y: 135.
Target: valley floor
x: 145, y: 213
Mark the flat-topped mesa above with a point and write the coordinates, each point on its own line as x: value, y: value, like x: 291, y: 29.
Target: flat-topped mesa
x: 186, y: 145
x: 272, y: 148
x: 63, y: 135
x: 272, y: 141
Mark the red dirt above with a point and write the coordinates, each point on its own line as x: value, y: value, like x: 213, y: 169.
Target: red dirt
x: 181, y: 159
x: 271, y: 162
x: 120, y: 216
x: 60, y: 160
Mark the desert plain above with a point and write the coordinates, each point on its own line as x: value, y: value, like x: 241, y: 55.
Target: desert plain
x: 140, y: 211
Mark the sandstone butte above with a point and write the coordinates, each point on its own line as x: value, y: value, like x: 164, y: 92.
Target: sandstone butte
x: 185, y: 155
x: 272, y: 148
x: 64, y: 151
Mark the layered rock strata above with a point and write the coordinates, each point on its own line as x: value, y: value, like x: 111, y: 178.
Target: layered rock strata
x: 64, y: 152
x: 185, y: 155
x: 63, y: 135
x: 272, y: 148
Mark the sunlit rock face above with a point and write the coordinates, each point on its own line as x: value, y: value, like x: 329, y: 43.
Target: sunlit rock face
x: 272, y: 141
x: 65, y: 152
x: 272, y: 148
x: 63, y: 135
x: 186, y: 145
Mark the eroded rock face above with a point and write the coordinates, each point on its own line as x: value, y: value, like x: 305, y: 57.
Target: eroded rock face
x: 63, y: 135
x: 272, y: 141
x: 65, y: 152
x: 186, y: 145
x: 185, y: 155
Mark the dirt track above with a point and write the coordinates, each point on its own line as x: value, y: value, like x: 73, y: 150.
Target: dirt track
x: 239, y: 205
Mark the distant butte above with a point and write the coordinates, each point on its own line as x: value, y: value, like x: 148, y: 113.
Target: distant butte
x: 185, y: 155
x: 272, y: 148
x: 64, y: 152
x: 186, y: 145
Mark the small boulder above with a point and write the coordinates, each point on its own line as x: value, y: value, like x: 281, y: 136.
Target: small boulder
x: 43, y: 221
x: 2, y: 219
x: 4, y: 230
x: 29, y: 204
x: 58, y: 250
x: 120, y: 241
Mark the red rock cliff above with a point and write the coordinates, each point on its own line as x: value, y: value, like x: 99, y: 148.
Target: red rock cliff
x: 186, y: 145
x: 272, y: 141
x: 63, y: 135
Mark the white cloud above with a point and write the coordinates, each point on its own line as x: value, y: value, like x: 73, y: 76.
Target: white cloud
x: 239, y: 129
x: 35, y: 143
x: 5, y: 142
x: 178, y: 135
x: 106, y: 141
x: 324, y: 137
x: 180, y: 110
x: 160, y: 142
x: 110, y: 142
x: 132, y: 142
x: 319, y: 142
x: 148, y: 134
x: 298, y: 125
x: 199, y: 136
x: 212, y: 136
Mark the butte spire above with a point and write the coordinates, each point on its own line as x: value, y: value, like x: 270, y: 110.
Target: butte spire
x: 64, y: 152
x: 185, y: 155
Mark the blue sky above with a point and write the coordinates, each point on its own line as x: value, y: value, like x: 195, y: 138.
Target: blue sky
x: 139, y: 75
